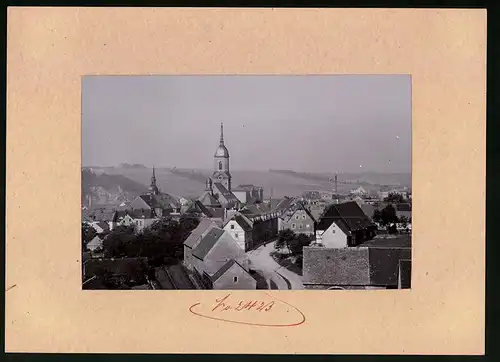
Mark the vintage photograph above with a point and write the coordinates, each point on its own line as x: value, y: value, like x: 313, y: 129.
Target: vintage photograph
x: 246, y: 182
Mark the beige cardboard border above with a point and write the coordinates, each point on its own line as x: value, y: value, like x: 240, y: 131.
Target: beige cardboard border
x: 49, y: 49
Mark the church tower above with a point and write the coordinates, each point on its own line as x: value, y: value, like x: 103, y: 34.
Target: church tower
x: 153, y: 188
x: 221, y: 163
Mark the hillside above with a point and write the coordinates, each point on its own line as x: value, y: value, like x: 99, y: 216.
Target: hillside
x: 191, y: 183
x: 108, y: 189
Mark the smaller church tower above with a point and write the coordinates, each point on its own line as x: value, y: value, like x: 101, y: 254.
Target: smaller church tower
x: 153, y: 188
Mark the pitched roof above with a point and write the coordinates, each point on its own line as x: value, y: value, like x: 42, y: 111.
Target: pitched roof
x: 164, y: 201
x: 207, y: 243
x: 208, y: 199
x: 244, y: 222
x: 96, y: 241
x: 384, y: 265
x: 103, y: 225
x: 285, y: 204
x: 225, y: 192
x: 336, y: 266
x: 224, y: 269
x: 134, y: 214
x: 197, y: 233
x: 389, y: 241
x: 367, y: 266
x: 349, y: 212
x: 101, y: 215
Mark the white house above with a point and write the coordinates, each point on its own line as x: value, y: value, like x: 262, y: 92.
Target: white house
x: 95, y: 244
x: 335, y: 236
x: 240, y: 229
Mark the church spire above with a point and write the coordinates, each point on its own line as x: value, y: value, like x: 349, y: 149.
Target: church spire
x: 153, y: 188
x: 221, y: 134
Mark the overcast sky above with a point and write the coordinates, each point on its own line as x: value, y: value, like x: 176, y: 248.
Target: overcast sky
x: 301, y: 123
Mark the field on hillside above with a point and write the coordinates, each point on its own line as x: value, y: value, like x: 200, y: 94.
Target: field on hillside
x: 190, y: 183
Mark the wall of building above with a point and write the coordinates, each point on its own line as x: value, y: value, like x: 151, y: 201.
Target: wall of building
x: 241, y: 195
x: 227, y: 281
x: 262, y: 231
x: 237, y: 233
x: 299, y: 222
x: 333, y: 237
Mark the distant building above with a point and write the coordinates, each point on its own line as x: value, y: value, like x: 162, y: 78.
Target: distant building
x: 344, y: 225
x: 100, y: 226
x: 360, y: 191
x: 382, y: 263
x: 161, y: 204
x: 249, y: 194
x: 141, y: 219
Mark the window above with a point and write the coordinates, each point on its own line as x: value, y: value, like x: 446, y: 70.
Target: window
x: 307, y: 225
x: 301, y: 226
x: 236, y: 235
x: 235, y: 279
x: 220, y: 165
x: 232, y: 226
x: 293, y: 226
x: 333, y: 231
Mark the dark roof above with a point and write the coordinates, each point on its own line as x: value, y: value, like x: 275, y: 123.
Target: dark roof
x: 225, y: 192
x: 405, y: 273
x: 243, y: 222
x: 207, y: 243
x: 195, y: 235
x: 208, y: 199
x: 163, y: 201
x: 284, y: 204
x: 349, y: 212
x: 389, y: 241
x: 135, y: 214
x: 101, y: 215
x: 215, y: 212
x: 384, y: 265
x: 403, y: 207
x: 223, y: 270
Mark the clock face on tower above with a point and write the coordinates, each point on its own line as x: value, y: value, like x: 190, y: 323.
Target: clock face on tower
x: 220, y: 177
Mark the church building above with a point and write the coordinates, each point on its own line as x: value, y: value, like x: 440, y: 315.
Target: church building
x: 218, y: 186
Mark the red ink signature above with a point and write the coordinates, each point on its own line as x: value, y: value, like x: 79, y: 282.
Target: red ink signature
x: 224, y: 310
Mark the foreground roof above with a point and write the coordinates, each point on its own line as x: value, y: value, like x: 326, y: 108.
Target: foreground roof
x: 207, y: 243
x: 353, y: 266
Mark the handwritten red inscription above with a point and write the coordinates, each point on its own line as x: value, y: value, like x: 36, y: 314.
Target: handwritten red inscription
x: 229, y: 309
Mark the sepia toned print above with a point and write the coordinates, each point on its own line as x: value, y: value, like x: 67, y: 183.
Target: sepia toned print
x: 308, y: 185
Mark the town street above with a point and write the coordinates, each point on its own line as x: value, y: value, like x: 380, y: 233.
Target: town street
x: 261, y: 259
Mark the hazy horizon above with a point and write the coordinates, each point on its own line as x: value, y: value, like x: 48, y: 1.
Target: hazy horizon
x: 319, y: 124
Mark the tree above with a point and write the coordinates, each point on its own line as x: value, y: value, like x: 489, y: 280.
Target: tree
x: 404, y: 221
x: 388, y: 215
x: 279, y: 244
x: 117, y: 241
x: 395, y: 197
x: 286, y: 236
x: 377, y: 216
